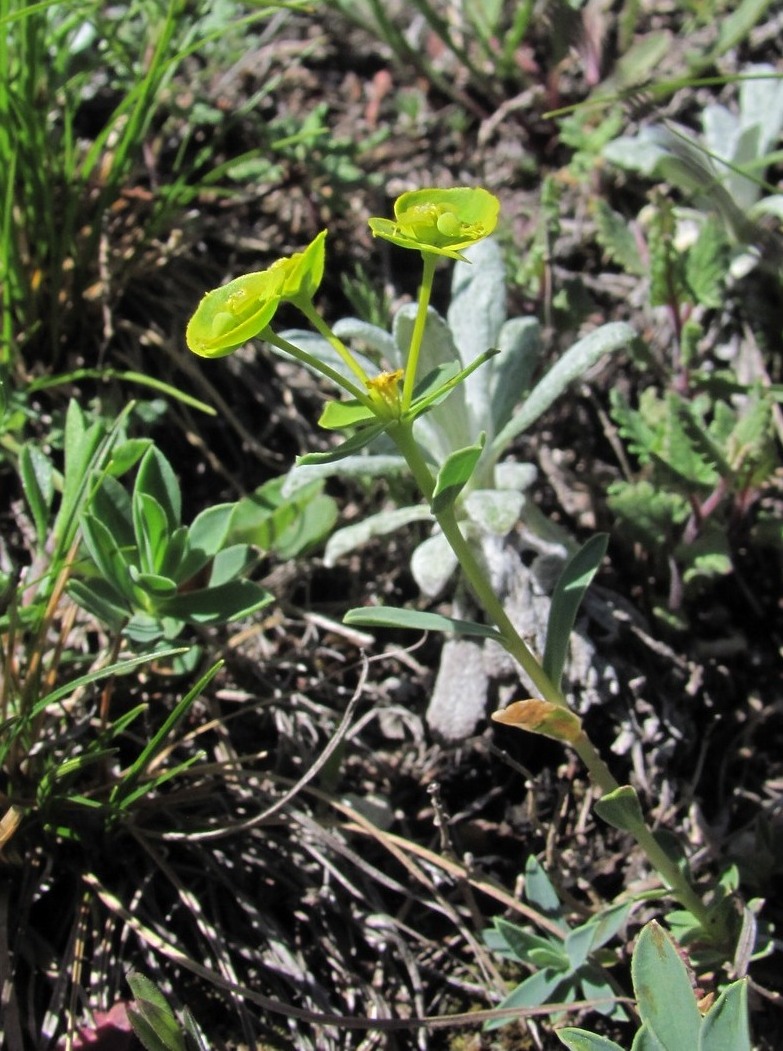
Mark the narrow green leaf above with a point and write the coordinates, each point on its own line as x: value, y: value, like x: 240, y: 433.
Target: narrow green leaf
x: 126, y: 455
x: 101, y: 599
x: 416, y: 620
x: 349, y: 446
x: 454, y: 475
x: 193, y: 1030
x: 154, y: 584
x: 520, y: 942
x: 156, y: 1027
x: 217, y: 605
x: 174, y: 554
x: 37, y: 475
x: 424, y: 401
x: 156, y: 478
x: 108, y: 558
x: 540, y: 892
x: 608, y: 922
x: 118, y: 668
x: 540, y: 988
x: 581, y: 1040
x: 567, y: 597
x: 112, y: 505
x: 663, y: 990
x: 151, y: 526
x: 736, y: 25
x: 125, y: 786
x: 146, y: 990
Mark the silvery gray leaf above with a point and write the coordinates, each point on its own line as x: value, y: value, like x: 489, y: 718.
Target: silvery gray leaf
x: 459, y: 697
x: 382, y: 342
x: 570, y: 366
x: 512, y: 475
x: 476, y: 316
x: 359, y: 533
x: 511, y: 372
x: 495, y: 511
x: 432, y: 564
x: 371, y: 465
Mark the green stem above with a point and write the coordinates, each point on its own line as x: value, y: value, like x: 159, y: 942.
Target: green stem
x: 672, y: 876
x: 411, y: 364
x: 599, y: 772
x: 320, y: 325
x: 318, y: 366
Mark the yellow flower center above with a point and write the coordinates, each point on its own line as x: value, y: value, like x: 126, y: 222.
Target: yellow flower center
x: 437, y: 225
x: 384, y: 392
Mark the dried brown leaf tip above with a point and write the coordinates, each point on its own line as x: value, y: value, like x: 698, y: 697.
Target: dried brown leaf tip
x: 541, y: 717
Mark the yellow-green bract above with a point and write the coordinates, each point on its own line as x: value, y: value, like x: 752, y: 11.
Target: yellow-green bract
x: 440, y: 222
x: 231, y: 315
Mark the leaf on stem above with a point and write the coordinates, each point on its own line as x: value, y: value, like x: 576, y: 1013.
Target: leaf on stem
x: 454, y: 475
x: 567, y: 597
x: 621, y: 808
x: 417, y: 620
x: 541, y: 717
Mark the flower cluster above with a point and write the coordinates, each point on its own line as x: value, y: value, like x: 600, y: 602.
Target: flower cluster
x: 440, y: 222
x: 231, y: 315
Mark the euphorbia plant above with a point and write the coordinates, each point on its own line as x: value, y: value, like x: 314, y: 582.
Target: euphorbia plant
x: 438, y: 223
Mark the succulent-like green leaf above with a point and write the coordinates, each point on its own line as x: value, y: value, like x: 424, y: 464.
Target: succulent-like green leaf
x: 581, y: 1040
x: 540, y: 893
x: 156, y: 478
x: 725, y: 1027
x: 545, y: 986
x: 107, y: 556
x: 518, y: 943
x: 230, y: 563
x: 208, y: 532
x: 100, y: 598
x: 225, y: 602
x: 151, y: 527
x: 663, y: 990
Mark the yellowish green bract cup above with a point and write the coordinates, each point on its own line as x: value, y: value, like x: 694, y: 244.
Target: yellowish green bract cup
x: 231, y: 315
x: 440, y: 222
